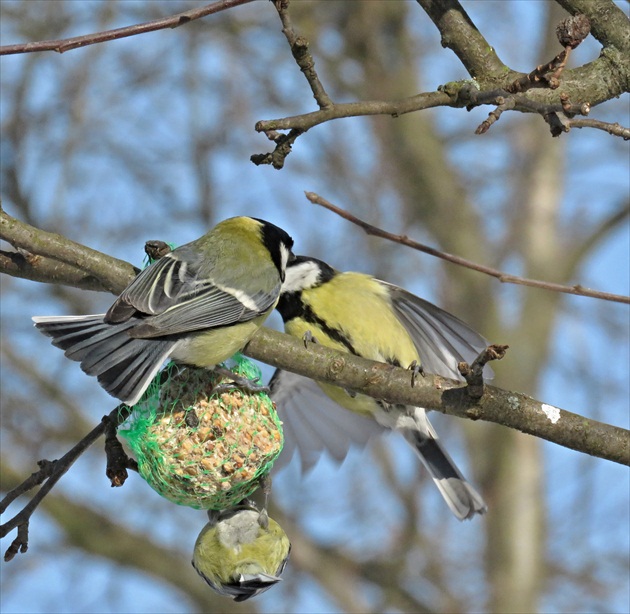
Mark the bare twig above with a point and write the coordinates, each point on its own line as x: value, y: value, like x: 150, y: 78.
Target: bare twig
x: 473, y: 373
x: 298, y: 124
x: 49, y: 474
x: 66, y: 44
x: 501, y: 276
x: 614, y: 129
x: 570, y: 32
x: 284, y: 143
x: 503, y: 105
x: 540, y: 76
x: 305, y: 121
x: 299, y: 49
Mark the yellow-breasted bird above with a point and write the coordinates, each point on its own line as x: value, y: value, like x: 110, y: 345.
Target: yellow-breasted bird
x: 197, y: 305
x: 241, y: 552
x: 356, y: 313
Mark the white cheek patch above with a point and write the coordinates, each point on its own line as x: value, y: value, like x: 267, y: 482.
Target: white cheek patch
x: 301, y: 276
x: 284, y: 256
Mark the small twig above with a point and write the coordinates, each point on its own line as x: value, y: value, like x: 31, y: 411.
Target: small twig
x: 276, y: 158
x: 570, y: 32
x: 501, y: 276
x: 299, y: 49
x: 66, y: 44
x: 298, y: 124
x: 473, y: 374
x: 46, y: 468
x: 49, y: 474
x: 540, y: 77
x: 395, y: 108
x: 117, y: 459
x: 504, y: 105
x: 571, y: 110
x: 613, y: 129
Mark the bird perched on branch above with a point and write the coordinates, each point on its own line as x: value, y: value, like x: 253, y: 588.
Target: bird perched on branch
x: 198, y: 305
x: 361, y: 315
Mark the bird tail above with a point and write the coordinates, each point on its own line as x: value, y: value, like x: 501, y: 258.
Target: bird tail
x: 123, y: 365
x: 458, y: 493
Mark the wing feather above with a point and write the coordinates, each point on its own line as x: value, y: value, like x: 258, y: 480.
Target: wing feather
x: 176, y: 301
x: 313, y: 423
x: 442, y: 340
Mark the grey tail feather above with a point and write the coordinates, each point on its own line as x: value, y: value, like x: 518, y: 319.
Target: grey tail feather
x: 463, y: 500
x: 124, y: 366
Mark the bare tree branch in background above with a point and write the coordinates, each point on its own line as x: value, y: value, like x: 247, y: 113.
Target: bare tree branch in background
x: 76, y: 42
x: 578, y: 289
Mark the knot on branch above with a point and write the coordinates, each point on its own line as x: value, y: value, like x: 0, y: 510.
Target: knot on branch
x: 573, y: 30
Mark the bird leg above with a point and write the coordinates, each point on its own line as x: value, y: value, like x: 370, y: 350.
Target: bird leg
x: 239, y: 382
x: 416, y: 369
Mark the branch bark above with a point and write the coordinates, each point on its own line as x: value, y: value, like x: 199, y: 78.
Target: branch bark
x: 461, y: 35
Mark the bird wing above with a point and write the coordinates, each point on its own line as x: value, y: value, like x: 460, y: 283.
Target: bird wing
x: 442, y: 340
x: 312, y: 423
x: 176, y: 300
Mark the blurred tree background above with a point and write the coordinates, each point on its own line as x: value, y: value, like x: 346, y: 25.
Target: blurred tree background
x: 149, y: 137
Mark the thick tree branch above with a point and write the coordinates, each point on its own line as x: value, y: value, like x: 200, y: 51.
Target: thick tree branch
x: 392, y: 384
x: 87, y: 266
x: 461, y: 35
x: 501, y: 276
x: 24, y: 265
x: 75, y: 42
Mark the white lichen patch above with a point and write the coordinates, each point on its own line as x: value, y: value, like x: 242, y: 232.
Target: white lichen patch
x: 513, y: 402
x: 553, y: 413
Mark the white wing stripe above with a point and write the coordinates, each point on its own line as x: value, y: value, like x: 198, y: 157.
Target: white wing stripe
x: 245, y: 299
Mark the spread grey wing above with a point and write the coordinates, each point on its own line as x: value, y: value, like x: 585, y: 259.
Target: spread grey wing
x: 313, y: 424
x: 208, y: 307
x: 442, y: 340
x: 176, y: 301
x: 158, y: 287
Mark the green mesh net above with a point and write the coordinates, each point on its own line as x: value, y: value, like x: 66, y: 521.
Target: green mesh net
x: 199, y: 448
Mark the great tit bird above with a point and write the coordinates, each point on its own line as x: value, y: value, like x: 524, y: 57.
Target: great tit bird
x: 359, y: 314
x: 197, y: 305
x: 241, y: 552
